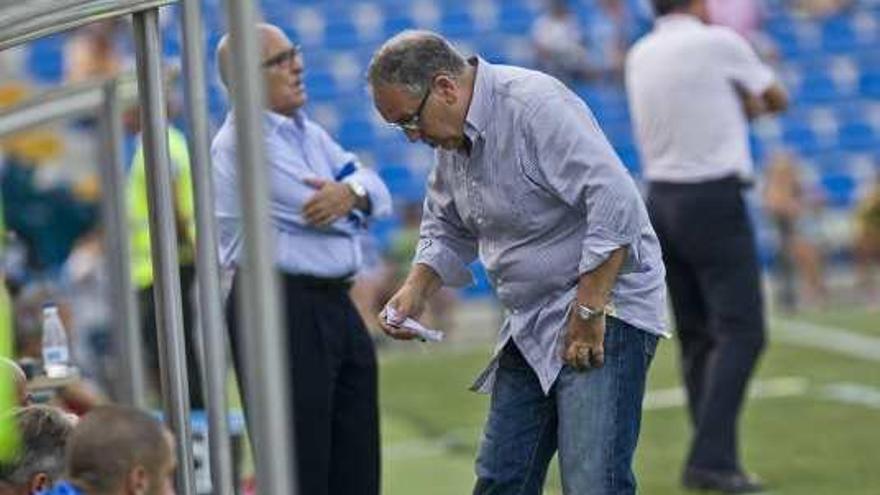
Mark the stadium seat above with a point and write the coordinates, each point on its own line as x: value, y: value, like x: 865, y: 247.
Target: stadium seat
x: 46, y: 59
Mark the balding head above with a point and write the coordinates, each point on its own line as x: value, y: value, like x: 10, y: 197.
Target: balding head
x: 282, y: 68
x: 120, y: 450
x: 412, y: 58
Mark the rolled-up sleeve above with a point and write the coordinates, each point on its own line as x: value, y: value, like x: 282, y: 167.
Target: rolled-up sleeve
x: 569, y: 153
x: 445, y: 243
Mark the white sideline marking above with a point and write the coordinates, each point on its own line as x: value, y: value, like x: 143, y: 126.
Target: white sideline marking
x: 667, y: 398
x: 853, y: 393
x: 763, y: 389
x: 827, y: 338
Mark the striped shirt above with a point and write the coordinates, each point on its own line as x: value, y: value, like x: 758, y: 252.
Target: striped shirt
x: 541, y: 198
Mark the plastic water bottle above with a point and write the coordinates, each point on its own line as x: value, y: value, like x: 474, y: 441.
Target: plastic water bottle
x: 56, y: 353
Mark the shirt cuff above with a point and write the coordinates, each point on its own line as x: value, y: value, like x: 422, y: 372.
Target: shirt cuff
x: 445, y: 262
x: 380, y: 198
x: 598, y: 247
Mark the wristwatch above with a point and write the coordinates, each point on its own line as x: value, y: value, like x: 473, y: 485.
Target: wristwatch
x: 360, y: 192
x: 587, y: 313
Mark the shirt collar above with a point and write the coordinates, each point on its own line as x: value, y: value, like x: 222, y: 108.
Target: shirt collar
x: 481, y: 99
x: 273, y: 121
x: 678, y: 19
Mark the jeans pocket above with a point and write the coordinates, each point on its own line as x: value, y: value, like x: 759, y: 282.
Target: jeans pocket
x: 651, y: 342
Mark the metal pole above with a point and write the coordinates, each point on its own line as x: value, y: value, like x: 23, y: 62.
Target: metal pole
x: 207, y: 265
x: 269, y: 414
x: 116, y: 244
x: 163, y: 242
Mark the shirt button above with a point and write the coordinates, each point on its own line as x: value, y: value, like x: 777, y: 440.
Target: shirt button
x: 480, y: 220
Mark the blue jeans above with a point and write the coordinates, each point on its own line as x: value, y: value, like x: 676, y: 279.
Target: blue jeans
x: 592, y: 418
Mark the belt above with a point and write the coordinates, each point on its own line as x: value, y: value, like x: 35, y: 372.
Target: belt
x: 321, y: 283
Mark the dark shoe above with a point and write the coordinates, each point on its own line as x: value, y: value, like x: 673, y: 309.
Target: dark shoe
x: 721, y: 481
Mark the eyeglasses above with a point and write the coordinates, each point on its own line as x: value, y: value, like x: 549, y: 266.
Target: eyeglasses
x: 283, y: 57
x: 413, y: 123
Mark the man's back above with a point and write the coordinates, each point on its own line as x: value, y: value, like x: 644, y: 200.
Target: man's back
x: 682, y: 81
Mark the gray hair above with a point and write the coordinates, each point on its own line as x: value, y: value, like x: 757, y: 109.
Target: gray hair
x: 44, y: 431
x: 412, y: 58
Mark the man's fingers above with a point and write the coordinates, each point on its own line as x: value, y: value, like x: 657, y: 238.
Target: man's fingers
x: 396, y: 332
x: 582, y: 356
x: 315, y: 182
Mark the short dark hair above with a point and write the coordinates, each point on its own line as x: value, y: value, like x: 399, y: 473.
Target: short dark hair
x: 109, y: 442
x: 44, y: 432
x: 663, y: 7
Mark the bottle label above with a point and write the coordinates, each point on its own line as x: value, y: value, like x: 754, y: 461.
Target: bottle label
x: 54, y: 355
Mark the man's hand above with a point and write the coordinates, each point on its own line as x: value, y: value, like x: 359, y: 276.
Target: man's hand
x: 332, y: 201
x: 585, y: 342
x: 408, y: 302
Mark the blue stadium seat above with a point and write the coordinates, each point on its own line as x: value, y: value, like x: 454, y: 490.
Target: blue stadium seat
x: 839, y: 189
x: 46, y: 59
x: 869, y: 82
x: 320, y: 85
x: 798, y: 134
x: 817, y: 86
x: 356, y: 134
x: 838, y: 35
x: 515, y: 18
x: 340, y: 33
x: 395, y: 22
x: 457, y: 23
x: 858, y: 136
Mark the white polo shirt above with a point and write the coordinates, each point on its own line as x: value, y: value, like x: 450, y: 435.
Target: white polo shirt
x: 688, y: 118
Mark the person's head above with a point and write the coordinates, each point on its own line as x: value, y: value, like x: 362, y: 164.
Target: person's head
x: 10, y: 371
x: 693, y: 7
x: 282, y: 66
x: 44, y: 432
x: 423, y: 85
x: 559, y: 8
x: 117, y: 450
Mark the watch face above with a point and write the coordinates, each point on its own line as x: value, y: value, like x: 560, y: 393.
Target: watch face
x: 358, y: 189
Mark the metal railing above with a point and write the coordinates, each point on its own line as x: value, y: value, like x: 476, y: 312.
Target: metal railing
x: 270, y: 417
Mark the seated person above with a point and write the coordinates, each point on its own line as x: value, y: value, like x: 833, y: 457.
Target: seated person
x: 39, y: 463
x: 117, y: 450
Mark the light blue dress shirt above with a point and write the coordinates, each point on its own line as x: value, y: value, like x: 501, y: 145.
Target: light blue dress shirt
x: 296, y: 149
x: 540, y: 199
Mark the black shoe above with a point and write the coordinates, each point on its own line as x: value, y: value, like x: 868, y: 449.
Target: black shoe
x: 721, y: 481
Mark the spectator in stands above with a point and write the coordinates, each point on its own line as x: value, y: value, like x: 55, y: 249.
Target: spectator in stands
x: 820, y: 8
x: 691, y: 125
x: 39, y: 463
x: 746, y: 17
x: 526, y: 180
x: 610, y: 31
x: 11, y: 371
x: 559, y: 44
x: 867, y: 243
x: 792, y: 210
x: 320, y: 197
x: 116, y: 450
x: 92, y: 51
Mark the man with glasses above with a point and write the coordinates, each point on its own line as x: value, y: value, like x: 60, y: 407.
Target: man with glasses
x: 526, y: 180
x: 320, y: 198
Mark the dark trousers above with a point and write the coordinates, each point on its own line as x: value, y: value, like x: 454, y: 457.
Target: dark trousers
x: 714, y: 283
x: 332, y: 367
x: 147, y: 308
